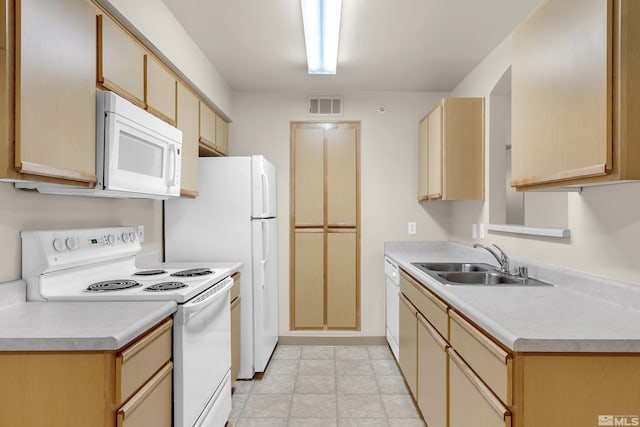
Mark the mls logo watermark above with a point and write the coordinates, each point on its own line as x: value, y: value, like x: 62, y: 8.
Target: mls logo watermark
x: 618, y: 420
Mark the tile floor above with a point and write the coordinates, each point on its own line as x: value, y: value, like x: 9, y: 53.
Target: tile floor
x: 326, y: 386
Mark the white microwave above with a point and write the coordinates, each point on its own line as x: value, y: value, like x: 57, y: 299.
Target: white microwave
x: 137, y: 154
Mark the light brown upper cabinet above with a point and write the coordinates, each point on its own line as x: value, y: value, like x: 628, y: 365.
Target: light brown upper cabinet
x: 575, y: 94
x: 214, y: 133
x: 120, y: 61
x: 222, y: 136
x: 451, y: 151
x: 423, y: 178
x: 187, y: 121
x: 160, y: 90
x: 325, y: 231
x: 207, y: 126
x: 55, y: 98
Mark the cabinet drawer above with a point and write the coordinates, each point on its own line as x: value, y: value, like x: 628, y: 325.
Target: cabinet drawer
x: 138, y: 362
x: 151, y: 406
x: 488, y: 360
x: 471, y: 403
x: 428, y: 304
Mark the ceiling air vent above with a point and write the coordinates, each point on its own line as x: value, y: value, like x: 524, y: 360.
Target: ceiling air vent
x: 325, y: 106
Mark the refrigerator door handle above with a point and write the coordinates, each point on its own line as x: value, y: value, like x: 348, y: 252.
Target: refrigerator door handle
x: 265, y: 250
x: 265, y: 194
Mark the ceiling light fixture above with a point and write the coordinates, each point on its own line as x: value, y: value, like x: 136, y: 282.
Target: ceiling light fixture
x: 321, y: 21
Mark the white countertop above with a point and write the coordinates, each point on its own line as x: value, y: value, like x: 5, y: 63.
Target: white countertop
x: 72, y: 326
x: 534, y: 319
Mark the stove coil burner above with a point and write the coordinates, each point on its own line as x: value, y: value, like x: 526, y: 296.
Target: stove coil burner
x: 165, y: 286
x: 149, y: 272
x: 194, y: 272
x: 112, y: 285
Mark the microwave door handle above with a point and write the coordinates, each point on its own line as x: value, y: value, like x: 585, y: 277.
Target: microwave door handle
x: 174, y: 166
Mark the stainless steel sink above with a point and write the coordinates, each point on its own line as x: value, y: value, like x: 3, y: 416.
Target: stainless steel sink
x: 452, y: 266
x: 475, y: 274
x: 486, y: 278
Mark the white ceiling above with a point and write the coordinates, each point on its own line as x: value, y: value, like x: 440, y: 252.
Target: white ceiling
x: 402, y: 45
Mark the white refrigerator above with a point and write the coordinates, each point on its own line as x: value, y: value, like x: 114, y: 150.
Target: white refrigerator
x: 234, y: 219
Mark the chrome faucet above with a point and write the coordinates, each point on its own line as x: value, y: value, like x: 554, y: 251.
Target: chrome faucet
x: 502, y: 257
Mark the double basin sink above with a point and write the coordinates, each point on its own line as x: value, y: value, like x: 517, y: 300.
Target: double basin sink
x: 462, y: 273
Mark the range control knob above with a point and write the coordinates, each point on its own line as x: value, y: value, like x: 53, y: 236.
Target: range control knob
x: 58, y: 245
x: 125, y: 237
x: 112, y: 239
x: 71, y: 243
x: 132, y: 236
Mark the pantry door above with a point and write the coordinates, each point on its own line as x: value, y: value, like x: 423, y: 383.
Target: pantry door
x: 325, y: 226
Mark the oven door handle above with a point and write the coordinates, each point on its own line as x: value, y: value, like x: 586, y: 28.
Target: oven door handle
x: 196, y: 305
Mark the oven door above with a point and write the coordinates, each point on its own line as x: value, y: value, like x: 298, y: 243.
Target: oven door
x: 139, y: 159
x: 202, y: 356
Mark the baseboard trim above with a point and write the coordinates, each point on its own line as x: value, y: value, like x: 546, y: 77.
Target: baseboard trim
x: 337, y: 341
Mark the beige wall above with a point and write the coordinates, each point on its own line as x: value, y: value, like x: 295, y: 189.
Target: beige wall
x: 388, y: 180
x: 28, y: 210
x: 604, y: 221
x: 157, y: 24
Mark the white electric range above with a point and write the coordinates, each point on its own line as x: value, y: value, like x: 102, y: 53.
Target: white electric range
x: 99, y: 265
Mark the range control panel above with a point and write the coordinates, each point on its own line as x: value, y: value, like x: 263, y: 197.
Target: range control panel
x: 71, y: 247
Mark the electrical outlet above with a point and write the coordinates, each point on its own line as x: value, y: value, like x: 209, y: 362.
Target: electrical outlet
x: 411, y: 227
x: 482, y: 233
x: 140, y: 231
x: 474, y: 231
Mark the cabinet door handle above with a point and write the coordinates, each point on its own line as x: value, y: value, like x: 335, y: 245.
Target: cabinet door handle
x: 484, y: 391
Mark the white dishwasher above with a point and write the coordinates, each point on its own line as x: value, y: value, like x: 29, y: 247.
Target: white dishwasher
x: 392, y: 276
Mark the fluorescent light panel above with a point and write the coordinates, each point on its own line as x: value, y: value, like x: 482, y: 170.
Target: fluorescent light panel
x: 321, y: 21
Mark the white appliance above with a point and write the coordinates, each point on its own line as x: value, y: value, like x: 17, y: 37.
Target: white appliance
x: 137, y: 154
x: 99, y: 265
x: 234, y: 219
x: 392, y: 284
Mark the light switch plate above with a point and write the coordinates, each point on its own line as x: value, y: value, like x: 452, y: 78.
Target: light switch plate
x: 411, y: 227
x: 140, y: 231
x: 482, y: 232
x: 474, y: 231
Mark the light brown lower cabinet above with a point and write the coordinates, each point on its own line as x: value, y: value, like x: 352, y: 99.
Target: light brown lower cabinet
x: 408, y: 337
x: 151, y: 406
x: 471, y: 402
x: 471, y: 380
x: 432, y: 374
x: 129, y: 387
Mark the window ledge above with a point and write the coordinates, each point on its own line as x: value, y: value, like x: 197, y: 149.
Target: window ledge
x: 535, y: 231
